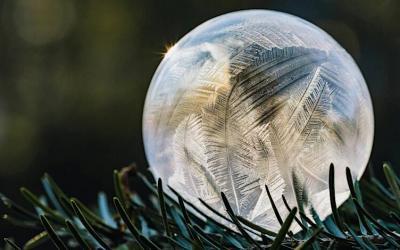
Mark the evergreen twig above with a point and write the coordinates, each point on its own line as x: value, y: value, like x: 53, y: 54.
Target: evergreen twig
x: 179, y: 224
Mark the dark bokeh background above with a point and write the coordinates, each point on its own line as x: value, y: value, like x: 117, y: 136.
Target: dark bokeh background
x: 74, y: 74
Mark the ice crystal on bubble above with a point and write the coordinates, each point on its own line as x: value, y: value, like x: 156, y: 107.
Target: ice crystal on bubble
x: 255, y: 98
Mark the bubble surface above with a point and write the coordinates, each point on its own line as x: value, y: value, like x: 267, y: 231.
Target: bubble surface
x: 255, y: 98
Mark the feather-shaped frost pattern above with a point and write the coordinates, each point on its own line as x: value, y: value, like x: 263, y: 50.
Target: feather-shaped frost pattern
x: 270, y: 175
x: 230, y: 155
x: 257, y: 98
x: 190, y: 159
x: 255, y: 121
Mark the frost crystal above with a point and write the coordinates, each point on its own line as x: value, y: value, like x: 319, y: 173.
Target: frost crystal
x: 257, y: 98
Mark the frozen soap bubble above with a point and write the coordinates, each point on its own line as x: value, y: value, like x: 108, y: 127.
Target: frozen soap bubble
x: 255, y: 98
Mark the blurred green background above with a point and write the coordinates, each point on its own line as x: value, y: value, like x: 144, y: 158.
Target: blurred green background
x: 74, y: 74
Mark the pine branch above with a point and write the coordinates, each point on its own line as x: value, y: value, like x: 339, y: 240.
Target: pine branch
x: 135, y: 224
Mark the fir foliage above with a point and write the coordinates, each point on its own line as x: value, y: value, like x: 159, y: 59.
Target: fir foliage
x: 151, y: 219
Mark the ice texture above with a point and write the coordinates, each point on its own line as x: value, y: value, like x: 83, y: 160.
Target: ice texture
x: 255, y: 98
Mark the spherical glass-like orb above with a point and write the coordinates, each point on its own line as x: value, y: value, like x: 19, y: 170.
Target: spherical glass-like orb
x: 255, y: 98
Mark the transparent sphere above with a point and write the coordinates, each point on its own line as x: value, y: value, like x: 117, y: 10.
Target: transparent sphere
x: 255, y: 98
